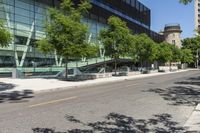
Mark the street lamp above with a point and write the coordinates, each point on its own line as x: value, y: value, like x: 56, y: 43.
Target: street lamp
x: 197, y: 57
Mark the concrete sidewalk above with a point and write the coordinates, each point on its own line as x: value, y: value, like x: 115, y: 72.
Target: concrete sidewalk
x: 40, y: 84
x: 193, y: 123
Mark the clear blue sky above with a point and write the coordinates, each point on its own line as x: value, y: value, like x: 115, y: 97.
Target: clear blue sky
x: 171, y: 11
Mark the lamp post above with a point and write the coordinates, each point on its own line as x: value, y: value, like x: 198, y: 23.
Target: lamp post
x: 197, y: 57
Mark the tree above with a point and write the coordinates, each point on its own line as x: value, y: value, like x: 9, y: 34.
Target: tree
x: 65, y: 33
x: 164, y: 52
x: 169, y: 53
x: 44, y: 46
x: 132, y: 49
x: 193, y: 44
x: 146, y: 49
x: 176, y: 52
x: 91, y: 51
x: 5, y: 35
x: 186, y: 56
x: 116, y: 39
x: 185, y: 1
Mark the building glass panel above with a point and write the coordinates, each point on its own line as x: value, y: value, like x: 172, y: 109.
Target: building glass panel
x: 25, y: 20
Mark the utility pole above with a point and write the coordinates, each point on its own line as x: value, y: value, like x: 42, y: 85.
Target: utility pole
x: 197, y: 56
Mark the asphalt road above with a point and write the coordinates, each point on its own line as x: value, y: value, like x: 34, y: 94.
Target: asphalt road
x: 154, y: 104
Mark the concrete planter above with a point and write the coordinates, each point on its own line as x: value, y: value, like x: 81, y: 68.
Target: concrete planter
x: 90, y: 76
x: 129, y: 73
x: 153, y: 71
x: 167, y: 68
x: 146, y: 72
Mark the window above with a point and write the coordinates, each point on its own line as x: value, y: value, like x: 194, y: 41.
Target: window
x: 174, y: 42
x: 133, y: 3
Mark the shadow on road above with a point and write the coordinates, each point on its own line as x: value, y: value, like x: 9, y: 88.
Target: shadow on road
x: 179, y: 95
x: 16, y: 96
x: 6, y: 86
x: 118, y: 123
x: 186, y: 92
x: 190, y: 81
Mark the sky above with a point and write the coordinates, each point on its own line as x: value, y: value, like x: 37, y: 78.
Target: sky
x: 171, y: 11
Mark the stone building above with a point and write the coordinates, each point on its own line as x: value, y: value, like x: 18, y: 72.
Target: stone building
x: 172, y: 34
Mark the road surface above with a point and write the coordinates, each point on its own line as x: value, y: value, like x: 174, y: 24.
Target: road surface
x: 154, y: 104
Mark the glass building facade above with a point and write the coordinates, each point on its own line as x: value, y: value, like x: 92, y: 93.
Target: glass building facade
x: 25, y: 20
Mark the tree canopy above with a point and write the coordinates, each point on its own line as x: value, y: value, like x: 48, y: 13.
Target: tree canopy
x: 164, y: 52
x: 5, y: 35
x: 116, y: 38
x: 186, y: 56
x: 145, y: 48
x: 65, y: 33
x: 176, y: 53
x: 193, y: 44
x: 185, y: 1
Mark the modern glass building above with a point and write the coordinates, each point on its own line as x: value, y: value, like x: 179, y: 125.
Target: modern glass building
x: 25, y: 20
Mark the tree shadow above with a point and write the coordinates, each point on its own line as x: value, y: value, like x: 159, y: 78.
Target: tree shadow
x: 119, y: 123
x: 194, y: 78
x: 6, y: 86
x: 190, y: 81
x: 179, y: 95
x: 16, y: 96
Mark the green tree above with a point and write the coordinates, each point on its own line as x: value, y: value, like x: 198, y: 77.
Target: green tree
x: 185, y: 1
x: 176, y: 53
x: 5, y: 35
x: 132, y: 49
x: 116, y: 39
x: 44, y: 46
x: 164, y: 53
x: 146, y: 49
x: 193, y: 44
x: 91, y: 51
x: 169, y: 53
x: 186, y: 56
x: 65, y: 33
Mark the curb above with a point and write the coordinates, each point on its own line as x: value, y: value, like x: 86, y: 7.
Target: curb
x: 108, y: 81
x: 193, y: 122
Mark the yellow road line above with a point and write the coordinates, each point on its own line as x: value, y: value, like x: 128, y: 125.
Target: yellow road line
x: 130, y: 85
x: 52, y: 102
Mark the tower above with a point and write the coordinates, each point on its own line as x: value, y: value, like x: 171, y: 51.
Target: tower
x: 172, y: 34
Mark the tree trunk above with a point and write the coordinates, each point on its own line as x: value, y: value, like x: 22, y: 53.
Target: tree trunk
x: 66, y: 68
x: 104, y: 63
x: 115, y: 66
x: 146, y: 66
x: 170, y: 66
